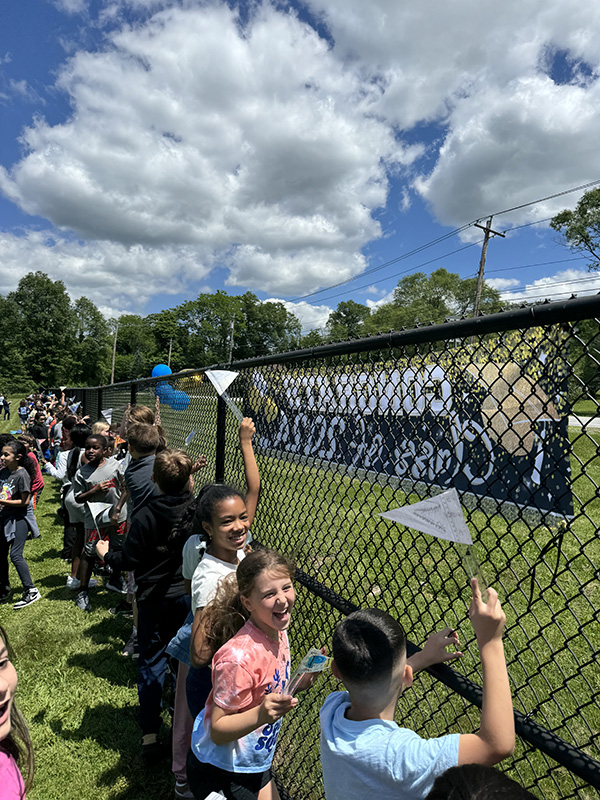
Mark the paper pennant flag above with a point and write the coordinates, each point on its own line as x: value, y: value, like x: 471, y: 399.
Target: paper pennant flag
x: 75, y: 406
x: 189, y: 437
x: 107, y: 414
x: 100, y: 512
x: 62, y: 388
x: 439, y: 516
x: 221, y: 379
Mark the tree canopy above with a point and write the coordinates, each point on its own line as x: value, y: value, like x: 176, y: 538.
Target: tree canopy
x: 581, y: 227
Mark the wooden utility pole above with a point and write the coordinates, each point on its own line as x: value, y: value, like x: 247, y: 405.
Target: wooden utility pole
x: 112, y: 372
x: 487, y: 231
x: 169, y: 356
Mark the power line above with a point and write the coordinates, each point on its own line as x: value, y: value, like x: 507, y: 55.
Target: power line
x: 439, y: 240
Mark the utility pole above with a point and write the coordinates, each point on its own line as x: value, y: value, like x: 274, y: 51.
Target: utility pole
x: 232, y: 326
x: 112, y: 372
x: 170, y: 348
x: 487, y: 231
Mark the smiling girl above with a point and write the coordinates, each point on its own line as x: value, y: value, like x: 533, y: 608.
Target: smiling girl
x: 15, y: 490
x: 15, y: 744
x: 234, y: 738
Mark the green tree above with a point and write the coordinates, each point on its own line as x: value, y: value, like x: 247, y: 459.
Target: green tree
x: 348, y: 320
x: 136, y: 348
x: 92, y: 345
x: 423, y: 299
x: 15, y: 376
x: 581, y: 227
x: 45, y: 327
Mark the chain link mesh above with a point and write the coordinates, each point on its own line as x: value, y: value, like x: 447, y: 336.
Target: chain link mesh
x: 345, y: 436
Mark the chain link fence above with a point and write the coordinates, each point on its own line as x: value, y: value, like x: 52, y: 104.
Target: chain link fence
x: 495, y: 407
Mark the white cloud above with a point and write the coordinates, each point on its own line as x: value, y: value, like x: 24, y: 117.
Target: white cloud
x: 374, y: 304
x: 556, y: 287
x: 510, y: 133
x: 126, y: 276
x: 71, y: 6
x: 259, y: 147
x: 502, y: 284
x: 311, y: 317
x: 268, y: 150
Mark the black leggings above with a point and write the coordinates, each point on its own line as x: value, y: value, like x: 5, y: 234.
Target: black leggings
x: 204, y: 779
x: 15, y: 547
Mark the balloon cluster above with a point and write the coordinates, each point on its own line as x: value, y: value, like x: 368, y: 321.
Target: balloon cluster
x: 175, y: 398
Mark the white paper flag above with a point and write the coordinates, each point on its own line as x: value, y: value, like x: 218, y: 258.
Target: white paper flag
x: 189, y: 437
x: 100, y: 512
x: 439, y: 516
x: 221, y: 379
x: 107, y: 414
x: 75, y: 406
x: 62, y: 388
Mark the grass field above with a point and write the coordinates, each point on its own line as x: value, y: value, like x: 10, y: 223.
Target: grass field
x: 79, y: 694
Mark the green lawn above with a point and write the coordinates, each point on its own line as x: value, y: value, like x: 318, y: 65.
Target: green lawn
x: 79, y: 694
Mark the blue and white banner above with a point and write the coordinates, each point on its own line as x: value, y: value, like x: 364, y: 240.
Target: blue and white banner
x: 490, y: 431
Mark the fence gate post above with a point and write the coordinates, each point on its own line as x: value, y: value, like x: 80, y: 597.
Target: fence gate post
x: 220, y: 454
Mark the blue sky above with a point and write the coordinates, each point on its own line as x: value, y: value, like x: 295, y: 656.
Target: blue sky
x: 152, y: 149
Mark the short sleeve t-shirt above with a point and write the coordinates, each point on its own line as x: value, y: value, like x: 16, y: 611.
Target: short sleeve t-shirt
x: 11, y: 781
x: 87, y: 476
x: 377, y: 758
x: 12, y: 486
x: 247, y: 667
x: 206, y: 578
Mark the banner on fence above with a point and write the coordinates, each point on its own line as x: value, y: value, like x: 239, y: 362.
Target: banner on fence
x: 490, y: 430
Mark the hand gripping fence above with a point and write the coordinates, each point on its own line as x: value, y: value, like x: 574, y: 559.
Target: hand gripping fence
x: 505, y: 409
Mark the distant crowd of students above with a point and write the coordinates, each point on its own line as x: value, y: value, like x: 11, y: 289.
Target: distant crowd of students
x: 199, y: 596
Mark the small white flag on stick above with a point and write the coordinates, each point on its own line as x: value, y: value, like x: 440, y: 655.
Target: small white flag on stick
x: 62, y: 388
x: 222, y: 379
x: 107, y: 414
x: 100, y: 512
x: 75, y: 406
x: 439, y: 516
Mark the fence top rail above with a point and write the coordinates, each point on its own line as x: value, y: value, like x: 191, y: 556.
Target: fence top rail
x: 546, y: 313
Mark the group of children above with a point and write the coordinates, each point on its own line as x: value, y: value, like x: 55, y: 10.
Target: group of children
x: 220, y: 611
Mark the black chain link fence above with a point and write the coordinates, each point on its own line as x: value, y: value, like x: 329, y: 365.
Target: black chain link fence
x: 347, y: 431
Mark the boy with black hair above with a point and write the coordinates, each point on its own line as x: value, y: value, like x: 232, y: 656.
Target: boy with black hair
x: 153, y: 552
x: 364, y: 753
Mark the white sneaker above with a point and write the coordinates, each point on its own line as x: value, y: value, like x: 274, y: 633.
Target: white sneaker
x: 75, y: 583
x: 29, y: 597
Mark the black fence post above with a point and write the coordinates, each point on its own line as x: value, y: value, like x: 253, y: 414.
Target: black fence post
x: 99, y: 400
x: 220, y: 454
x: 133, y: 399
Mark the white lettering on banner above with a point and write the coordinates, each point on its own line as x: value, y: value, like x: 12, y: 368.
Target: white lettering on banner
x: 471, y: 431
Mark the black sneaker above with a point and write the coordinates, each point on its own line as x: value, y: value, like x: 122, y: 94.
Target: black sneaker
x: 29, y: 596
x: 82, y: 601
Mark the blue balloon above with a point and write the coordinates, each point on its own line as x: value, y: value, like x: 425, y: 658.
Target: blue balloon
x: 179, y: 401
x: 165, y: 392
x: 160, y: 369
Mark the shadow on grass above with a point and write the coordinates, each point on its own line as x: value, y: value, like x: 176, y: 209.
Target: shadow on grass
x: 117, y: 730
x: 107, y: 664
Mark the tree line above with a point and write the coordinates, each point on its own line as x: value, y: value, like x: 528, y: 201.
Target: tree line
x: 49, y: 340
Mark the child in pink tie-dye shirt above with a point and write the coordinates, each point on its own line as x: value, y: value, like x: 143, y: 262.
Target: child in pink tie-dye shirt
x: 234, y: 737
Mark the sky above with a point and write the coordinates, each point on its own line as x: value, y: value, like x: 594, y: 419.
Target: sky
x: 309, y: 152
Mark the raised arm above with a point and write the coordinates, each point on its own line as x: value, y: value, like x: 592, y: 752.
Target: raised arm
x: 496, y: 737
x: 247, y: 430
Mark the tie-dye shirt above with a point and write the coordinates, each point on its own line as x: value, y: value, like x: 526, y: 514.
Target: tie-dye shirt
x: 244, y: 670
